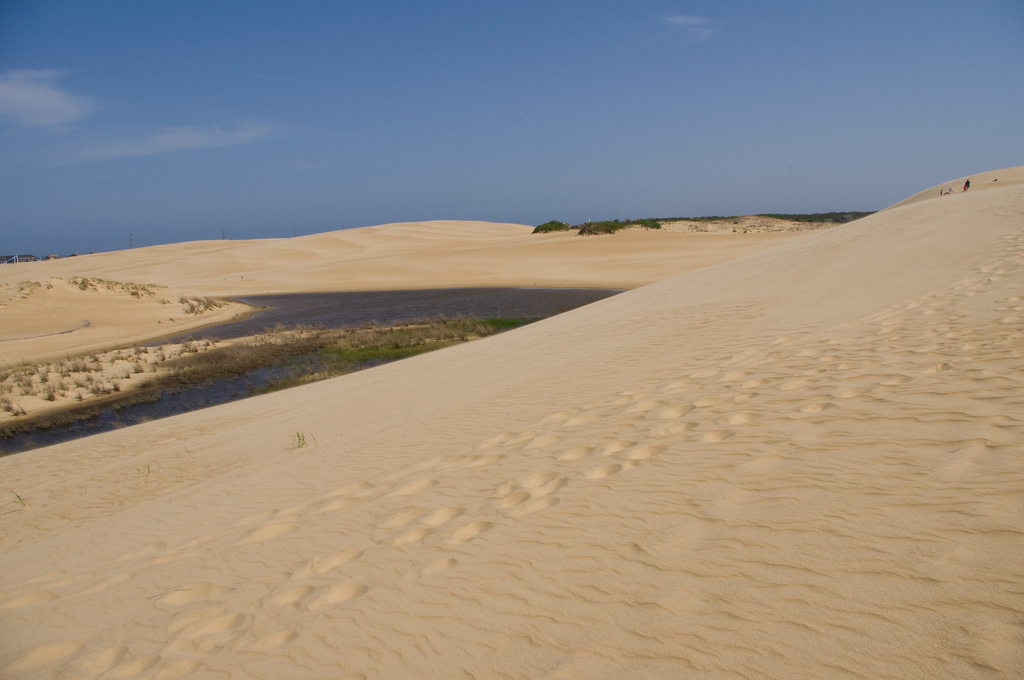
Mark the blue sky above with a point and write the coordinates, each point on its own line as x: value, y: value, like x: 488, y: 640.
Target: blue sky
x: 176, y: 119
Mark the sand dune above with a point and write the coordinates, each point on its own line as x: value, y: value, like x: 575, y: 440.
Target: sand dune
x: 804, y: 463
x: 52, y: 322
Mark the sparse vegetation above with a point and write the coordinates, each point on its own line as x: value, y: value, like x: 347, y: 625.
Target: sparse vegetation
x: 136, y: 290
x: 837, y: 217
x: 551, y: 226
x: 612, y: 226
x: 199, y: 305
x: 295, y: 356
x: 594, y: 228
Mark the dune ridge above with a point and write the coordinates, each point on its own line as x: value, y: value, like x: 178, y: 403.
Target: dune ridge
x: 57, y: 318
x: 802, y: 463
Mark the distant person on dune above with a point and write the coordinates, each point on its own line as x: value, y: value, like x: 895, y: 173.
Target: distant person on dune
x: 967, y: 185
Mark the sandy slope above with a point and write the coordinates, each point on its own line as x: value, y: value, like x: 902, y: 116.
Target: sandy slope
x: 802, y: 464
x: 388, y: 257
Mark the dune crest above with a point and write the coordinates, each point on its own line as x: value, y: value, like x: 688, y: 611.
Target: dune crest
x: 802, y: 463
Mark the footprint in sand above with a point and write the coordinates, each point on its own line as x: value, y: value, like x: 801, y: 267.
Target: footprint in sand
x: 558, y: 417
x: 715, y: 436
x: 515, y: 498
x: 439, y: 566
x: 216, y: 626
x: 478, y: 460
x: 290, y: 596
x: 193, y: 616
x: 604, y: 471
x: 543, y: 440
x: 413, y: 536
x: 413, y: 488
x: 403, y: 518
x: 133, y: 667
x: 642, y: 452
x: 68, y: 581
x: 582, y: 419
x: 145, y: 552
x: 29, y: 599
x: 340, y: 504
x: 442, y: 516
x: 500, y: 438
x: 537, y: 479
x: 272, y: 641
x: 669, y: 429
x: 330, y: 596
x: 95, y: 663
x: 614, y: 447
x: 47, y: 655
x: 547, y: 487
x: 469, y: 532
x: 194, y: 592
x: 672, y: 412
x: 535, y: 505
x: 114, y: 580
x: 643, y: 406
x: 576, y: 453
x: 791, y: 385
x: 322, y: 565
x: 269, y: 515
x: 267, y: 533
x: 434, y: 568
x: 356, y: 489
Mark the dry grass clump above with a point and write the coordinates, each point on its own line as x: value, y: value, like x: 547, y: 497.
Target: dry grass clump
x: 136, y: 290
x: 199, y: 305
x: 33, y: 386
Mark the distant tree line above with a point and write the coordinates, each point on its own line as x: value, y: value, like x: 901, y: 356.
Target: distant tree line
x: 612, y: 226
x: 594, y: 228
x: 820, y: 217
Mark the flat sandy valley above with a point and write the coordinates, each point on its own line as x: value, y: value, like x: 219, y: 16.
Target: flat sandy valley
x: 782, y: 454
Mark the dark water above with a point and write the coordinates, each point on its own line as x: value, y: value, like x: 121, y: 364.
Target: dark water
x: 333, y: 310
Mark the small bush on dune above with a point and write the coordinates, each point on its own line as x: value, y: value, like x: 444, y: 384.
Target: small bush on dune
x: 553, y: 225
x: 597, y: 228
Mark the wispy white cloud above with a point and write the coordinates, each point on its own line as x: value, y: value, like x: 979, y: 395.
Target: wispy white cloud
x: 696, y: 28
x: 32, y: 98
x: 175, y: 139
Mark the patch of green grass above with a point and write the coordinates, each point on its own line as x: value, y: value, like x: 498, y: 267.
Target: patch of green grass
x: 502, y: 323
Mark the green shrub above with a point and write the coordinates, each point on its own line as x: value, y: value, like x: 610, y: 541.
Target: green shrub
x: 553, y: 225
x: 597, y: 228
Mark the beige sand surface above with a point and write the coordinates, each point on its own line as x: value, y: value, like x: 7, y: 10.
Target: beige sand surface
x: 806, y: 463
x: 56, y: 318
x: 388, y: 257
